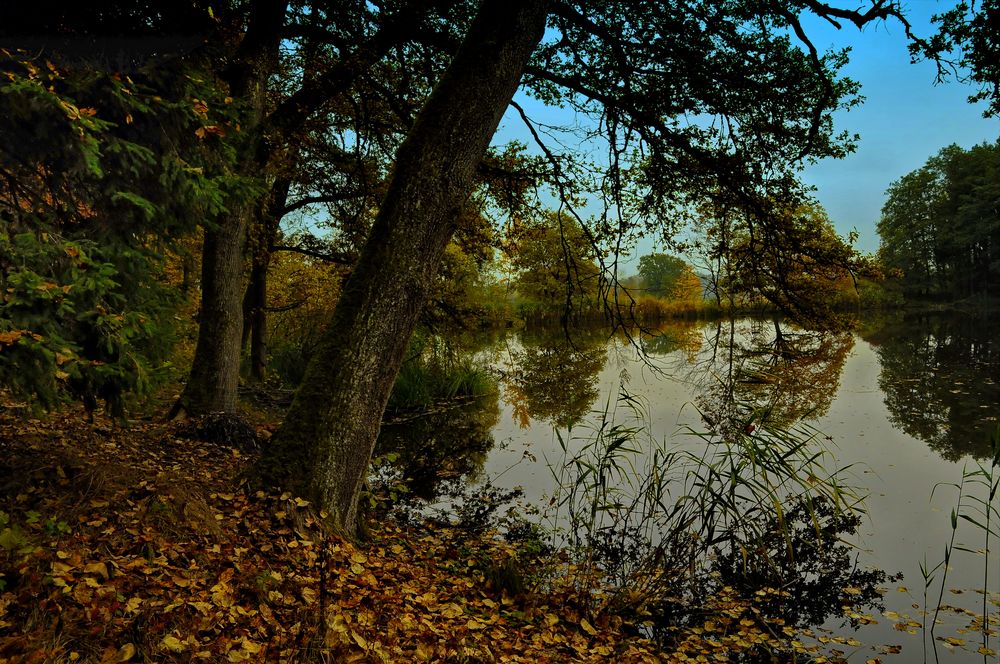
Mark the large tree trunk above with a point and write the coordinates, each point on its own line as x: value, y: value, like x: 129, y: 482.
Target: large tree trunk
x: 214, y: 377
x: 325, y: 443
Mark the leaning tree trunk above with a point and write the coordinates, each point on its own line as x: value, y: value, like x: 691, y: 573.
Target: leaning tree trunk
x: 323, y: 448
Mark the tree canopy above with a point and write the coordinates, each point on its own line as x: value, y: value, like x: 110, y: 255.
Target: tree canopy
x: 940, y: 225
x: 383, y: 115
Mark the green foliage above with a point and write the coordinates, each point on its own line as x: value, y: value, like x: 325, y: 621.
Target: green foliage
x: 557, y: 273
x: 940, y: 225
x: 793, y: 260
x: 969, y: 30
x: 99, y: 175
x: 18, y: 542
x: 661, y: 273
x: 435, y: 373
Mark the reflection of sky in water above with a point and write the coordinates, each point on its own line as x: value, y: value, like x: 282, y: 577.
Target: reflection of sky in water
x: 898, y: 471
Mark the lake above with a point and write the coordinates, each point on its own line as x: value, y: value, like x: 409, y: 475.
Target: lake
x: 906, y: 404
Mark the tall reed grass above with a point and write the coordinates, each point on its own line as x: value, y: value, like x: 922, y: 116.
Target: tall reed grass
x: 644, y: 517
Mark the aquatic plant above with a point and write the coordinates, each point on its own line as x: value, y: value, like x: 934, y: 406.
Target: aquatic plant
x: 655, y: 528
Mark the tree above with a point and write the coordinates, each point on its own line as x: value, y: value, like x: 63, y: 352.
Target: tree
x: 940, y: 225
x: 328, y: 435
x: 696, y: 103
x: 101, y: 174
x: 661, y: 273
x: 639, y: 69
x: 794, y: 260
x: 968, y: 34
x: 555, y: 265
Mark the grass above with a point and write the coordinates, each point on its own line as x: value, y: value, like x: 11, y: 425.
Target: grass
x: 647, y: 516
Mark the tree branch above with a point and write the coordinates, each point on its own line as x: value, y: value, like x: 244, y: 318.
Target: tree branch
x: 336, y: 258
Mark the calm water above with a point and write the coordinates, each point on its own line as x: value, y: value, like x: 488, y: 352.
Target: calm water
x: 906, y: 404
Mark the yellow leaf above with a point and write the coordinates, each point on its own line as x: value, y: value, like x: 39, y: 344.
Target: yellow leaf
x: 301, y: 503
x: 551, y: 619
x: 983, y: 650
x: 587, y: 627
x: 951, y: 640
x: 360, y: 640
x: 172, y: 643
x: 452, y: 610
x: 126, y: 652
x: 96, y: 568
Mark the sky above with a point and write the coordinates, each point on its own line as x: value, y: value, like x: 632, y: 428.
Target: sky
x: 904, y: 120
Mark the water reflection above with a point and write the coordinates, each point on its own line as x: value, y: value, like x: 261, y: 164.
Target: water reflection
x: 767, y: 372
x: 681, y: 336
x: 940, y: 377
x: 440, y: 419
x: 449, y: 444
x: 553, y: 377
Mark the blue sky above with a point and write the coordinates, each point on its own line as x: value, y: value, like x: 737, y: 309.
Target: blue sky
x: 904, y: 120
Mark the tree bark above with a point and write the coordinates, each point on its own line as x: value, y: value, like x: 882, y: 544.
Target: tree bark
x: 323, y: 447
x: 255, y: 298
x: 215, y: 372
x: 214, y: 377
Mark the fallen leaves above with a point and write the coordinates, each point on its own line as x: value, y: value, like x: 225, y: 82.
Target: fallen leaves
x: 167, y: 558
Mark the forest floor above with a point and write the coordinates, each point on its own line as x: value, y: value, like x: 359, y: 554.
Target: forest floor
x: 133, y: 544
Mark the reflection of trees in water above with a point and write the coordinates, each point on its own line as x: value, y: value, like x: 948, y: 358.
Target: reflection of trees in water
x: 806, y: 564
x: 441, y: 416
x: 555, y: 379
x: 673, y: 337
x: 766, y: 372
x: 941, y: 381
x: 450, y: 443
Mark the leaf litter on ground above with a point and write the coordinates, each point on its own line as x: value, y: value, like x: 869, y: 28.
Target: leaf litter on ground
x: 148, y: 547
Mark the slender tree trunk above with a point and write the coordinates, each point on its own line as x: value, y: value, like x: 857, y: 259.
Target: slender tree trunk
x: 214, y: 378
x: 255, y: 320
x: 255, y: 299
x: 324, y: 445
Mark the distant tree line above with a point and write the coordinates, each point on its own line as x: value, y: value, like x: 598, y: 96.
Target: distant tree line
x: 940, y: 227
